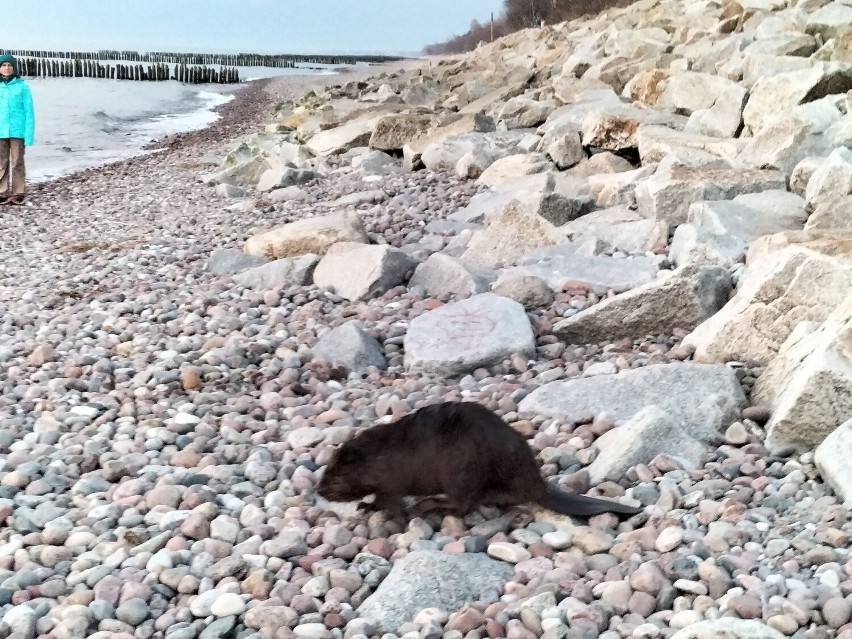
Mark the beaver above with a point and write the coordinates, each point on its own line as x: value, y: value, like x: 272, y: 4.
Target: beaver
x: 459, y: 449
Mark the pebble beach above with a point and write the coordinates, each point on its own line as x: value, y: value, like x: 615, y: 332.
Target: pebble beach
x: 162, y: 429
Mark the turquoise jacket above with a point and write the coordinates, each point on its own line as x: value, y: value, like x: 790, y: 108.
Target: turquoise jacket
x: 17, y: 119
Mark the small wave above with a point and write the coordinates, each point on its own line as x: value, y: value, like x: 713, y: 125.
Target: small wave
x: 186, y: 120
x: 214, y: 99
x: 109, y: 123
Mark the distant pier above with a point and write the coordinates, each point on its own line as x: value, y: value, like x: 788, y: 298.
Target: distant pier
x: 190, y: 68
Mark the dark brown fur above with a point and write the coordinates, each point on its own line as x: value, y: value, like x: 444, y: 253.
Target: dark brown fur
x: 459, y: 449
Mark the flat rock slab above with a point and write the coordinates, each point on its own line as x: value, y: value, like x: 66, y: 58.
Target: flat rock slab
x: 728, y: 628
x: 667, y: 195
x: 693, y: 245
x: 361, y: 197
x: 341, y: 139
x: 460, y: 337
x: 482, y: 205
x: 735, y: 219
x: 656, y: 142
x: 432, y: 579
x: 702, y: 399
x: 444, y: 155
x: 619, y: 227
x: 598, y: 271
x: 311, y: 235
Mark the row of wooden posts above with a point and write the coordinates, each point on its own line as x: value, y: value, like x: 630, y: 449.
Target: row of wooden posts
x: 42, y: 68
x: 207, y: 59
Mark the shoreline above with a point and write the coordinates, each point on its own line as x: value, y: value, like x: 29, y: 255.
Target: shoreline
x: 252, y: 107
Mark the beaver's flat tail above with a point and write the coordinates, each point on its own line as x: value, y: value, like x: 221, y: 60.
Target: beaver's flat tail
x: 583, y: 505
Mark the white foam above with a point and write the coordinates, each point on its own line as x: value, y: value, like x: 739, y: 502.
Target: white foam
x: 171, y: 123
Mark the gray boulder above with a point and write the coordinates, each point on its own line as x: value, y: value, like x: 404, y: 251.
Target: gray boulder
x: 232, y: 261
x: 294, y: 154
x: 361, y: 271
x: 463, y: 336
x: 564, y: 146
x: 524, y: 223
x: 230, y: 191
x: 808, y: 385
x: 649, y: 433
x: 514, y: 166
x: 374, y: 163
x: 432, y: 579
x: 422, y: 91
x: 354, y: 133
x: 695, y: 245
x: 677, y: 299
x: 530, y: 291
x: 831, y: 180
x: 396, y: 130
x: 701, y: 398
x: 830, y: 20
x: 286, y: 194
x: 360, y: 197
x: 743, y: 221
x: 614, y: 127
x: 444, y: 154
x: 720, y: 232
x: 445, y: 276
x: 833, y: 214
x: 290, y: 271
x: 522, y: 112
x: 350, y: 346
x: 278, y: 178
x: 668, y: 194
x: 477, y: 161
x: 620, y: 228
x: 832, y: 460
x: 776, y: 93
x: 246, y: 173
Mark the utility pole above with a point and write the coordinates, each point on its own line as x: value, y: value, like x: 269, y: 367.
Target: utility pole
x: 492, y: 26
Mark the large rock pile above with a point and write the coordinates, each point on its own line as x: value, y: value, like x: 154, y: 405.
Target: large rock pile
x: 651, y: 155
x: 675, y: 168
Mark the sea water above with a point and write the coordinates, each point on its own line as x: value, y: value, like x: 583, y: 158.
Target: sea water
x: 86, y: 122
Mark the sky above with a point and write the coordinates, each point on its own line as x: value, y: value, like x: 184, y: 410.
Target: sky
x: 257, y: 26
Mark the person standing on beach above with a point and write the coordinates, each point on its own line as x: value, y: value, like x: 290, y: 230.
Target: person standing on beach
x: 17, y: 129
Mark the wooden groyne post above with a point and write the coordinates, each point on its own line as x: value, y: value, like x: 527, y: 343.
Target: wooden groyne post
x: 87, y: 68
